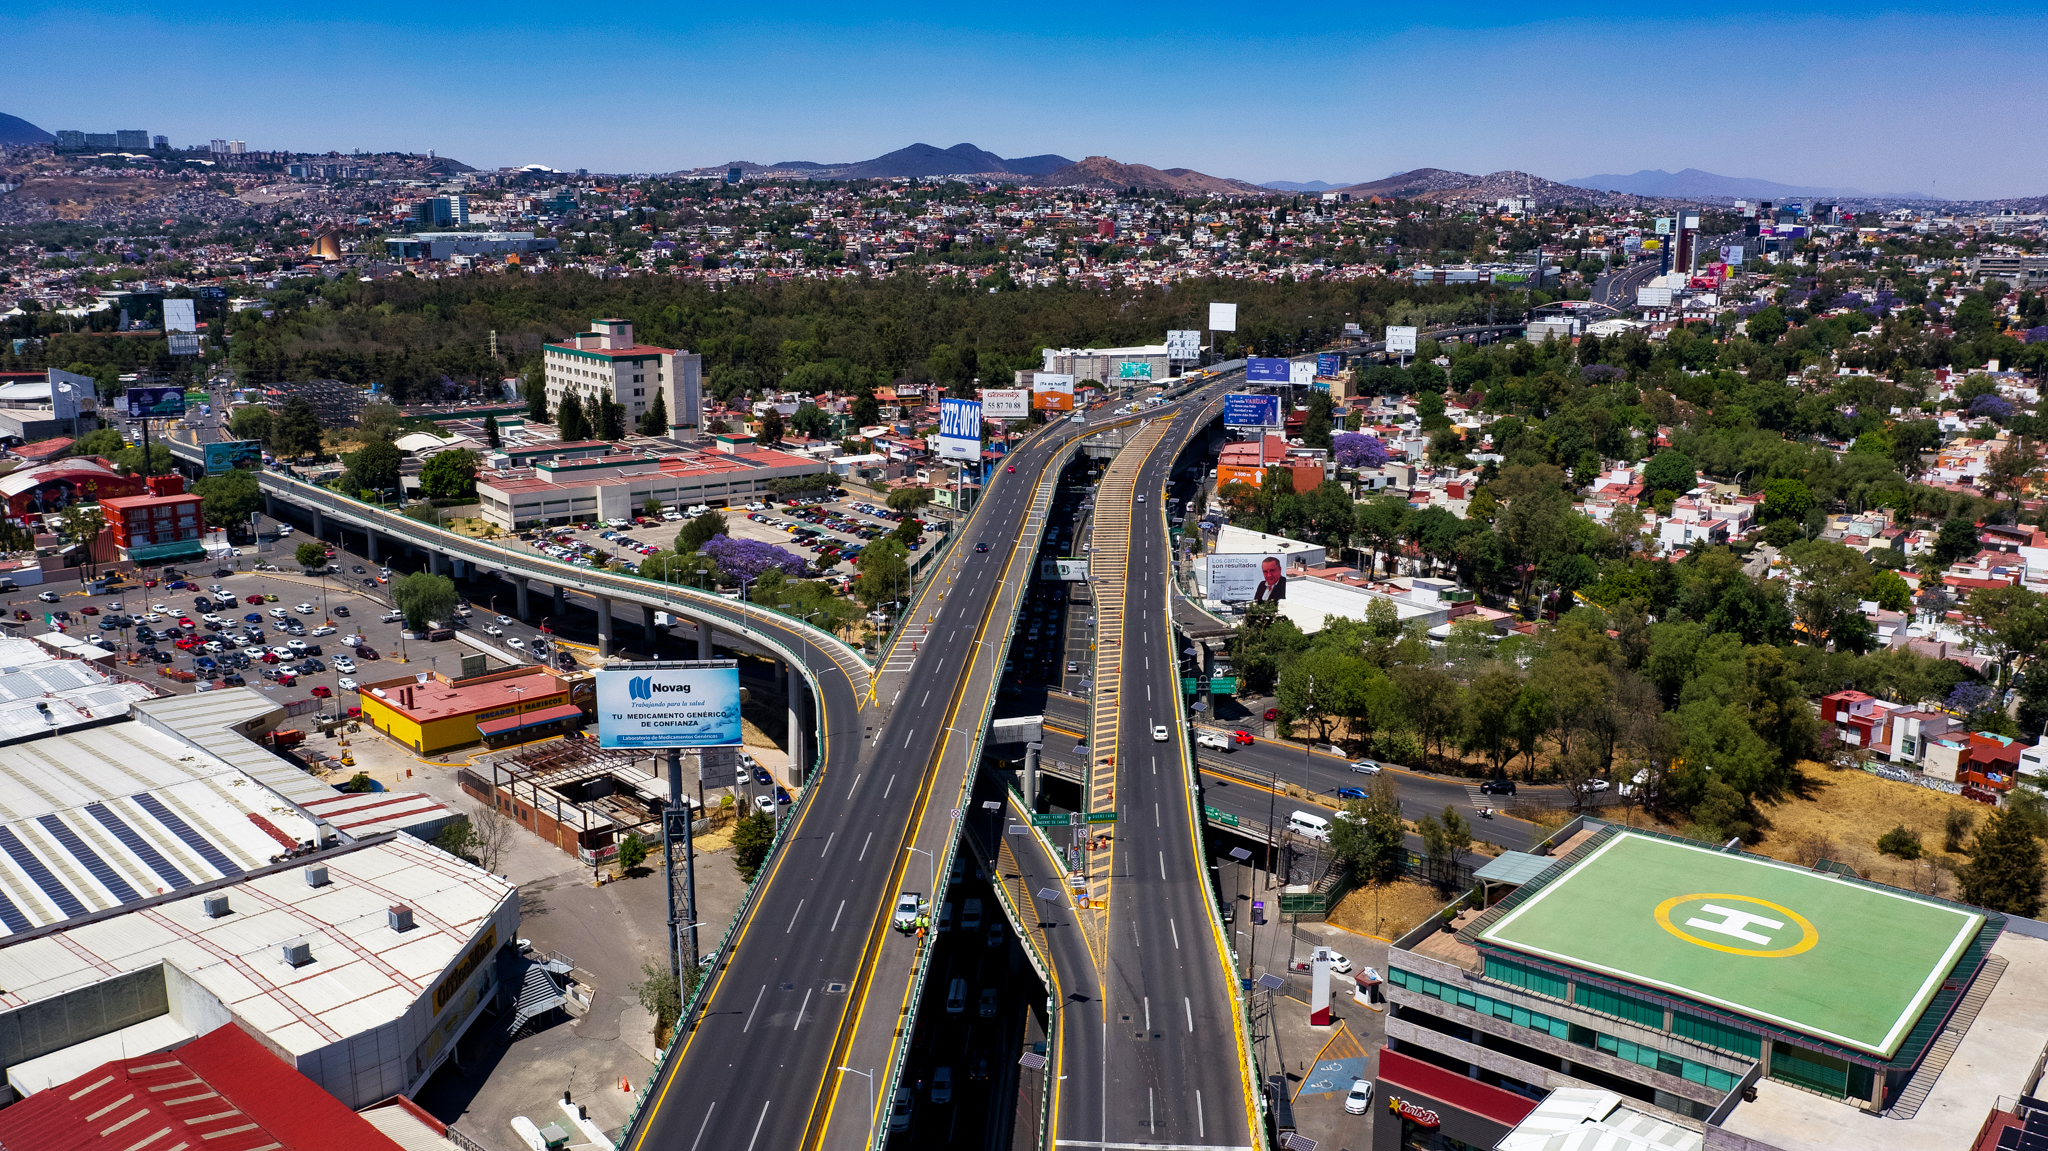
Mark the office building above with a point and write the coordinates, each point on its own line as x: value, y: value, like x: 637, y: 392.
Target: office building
x: 163, y: 525
x: 584, y: 489
x: 448, y: 245
x: 1737, y: 1000
x: 605, y: 362
x: 131, y: 140
x: 160, y: 143
x: 441, y: 210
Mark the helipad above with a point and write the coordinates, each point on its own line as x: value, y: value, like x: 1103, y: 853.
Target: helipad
x: 1805, y: 950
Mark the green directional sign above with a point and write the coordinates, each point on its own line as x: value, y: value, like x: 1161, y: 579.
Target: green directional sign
x: 1222, y: 817
x: 1223, y: 685
x: 1053, y: 819
x: 1189, y: 685
x: 1102, y: 817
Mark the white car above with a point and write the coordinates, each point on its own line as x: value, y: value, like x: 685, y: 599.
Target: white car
x: 908, y: 905
x: 284, y: 652
x: 899, y: 1111
x: 285, y: 530
x: 1359, y: 1099
x: 1339, y: 964
x: 515, y: 643
x: 210, y: 618
x: 504, y: 619
x: 1592, y: 786
x: 214, y: 646
x: 343, y: 663
x: 493, y: 629
x: 765, y: 805
x: 304, y: 609
x: 347, y: 684
x: 297, y: 646
x: 158, y: 608
x: 1365, y: 767
x: 1159, y: 733
x: 279, y: 613
x: 323, y: 629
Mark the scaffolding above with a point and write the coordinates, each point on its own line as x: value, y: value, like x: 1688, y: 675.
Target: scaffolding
x: 338, y: 404
x: 577, y: 795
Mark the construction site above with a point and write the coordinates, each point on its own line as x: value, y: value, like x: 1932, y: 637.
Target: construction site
x: 574, y: 794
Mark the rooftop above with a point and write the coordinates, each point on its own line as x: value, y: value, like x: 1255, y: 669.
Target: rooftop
x: 1851, y: 963
x: 442, y: 698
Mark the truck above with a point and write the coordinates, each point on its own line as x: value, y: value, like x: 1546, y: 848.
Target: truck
x: 1215, y: 741
x: 664, y: 620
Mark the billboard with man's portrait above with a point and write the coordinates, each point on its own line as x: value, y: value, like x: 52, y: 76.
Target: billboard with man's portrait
x: 1240, y: 577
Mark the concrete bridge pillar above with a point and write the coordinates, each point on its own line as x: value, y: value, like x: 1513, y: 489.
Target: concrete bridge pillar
x: 269, y: 505
x: 604, y: 627
x: 561, y: 601
x: 647, y: 625
x: 370, y: 546
x: 319, y: 525
x: 799, y: 767
x: 519, y: 587
x: 704, y: 638
x: 1030, y: 780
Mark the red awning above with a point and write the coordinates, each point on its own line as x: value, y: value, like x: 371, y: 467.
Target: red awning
x: 530, y: 719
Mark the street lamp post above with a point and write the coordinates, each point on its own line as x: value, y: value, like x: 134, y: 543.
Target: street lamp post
x: 870, y: 1077
x: 932, y: 864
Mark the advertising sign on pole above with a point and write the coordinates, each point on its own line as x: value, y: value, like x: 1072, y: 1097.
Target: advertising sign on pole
x: 960, y: 429
x: 1329, y: 363
x: 1006, y: 403
x: 1183, y: 347
x: 227, y: 455
x: 155, y: 403
x: 1663, y: 225
x: 1251, y: 410
x: 1265, y: 370
x: 1255, y: 576
x: 1052, y: 392
x: 1133, y: 370
x: 1653, y: 297
x: 1301, y: 372
x: 180, y: 316
x: 681, y: 703
x: 1400, y: 341
x: 1222, y: 317
x: 1065, y: 570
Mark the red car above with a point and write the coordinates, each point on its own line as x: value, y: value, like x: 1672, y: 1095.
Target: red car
x: 287, y: 679
x: 88, y: 609
x: 254, y: 599
x: 1013, y: 469
x: 322, y: 692
x: 187, y: 642
x: 187, y: 624
x: 1242, y: 738
x: 1272, y: 713
x: 366, y: 653
x: 266, y: 657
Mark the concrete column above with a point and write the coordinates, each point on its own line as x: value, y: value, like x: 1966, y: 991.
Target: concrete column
x: 269, y: 505
x: 604, y: 627
x: 704, y: 638
x: 561, y: 601
x: 370, y: 546
x: 519, y: 586
x: 647, y: 626
x: 437, y: 563
x: 1031, y: 751
x: 319, y: 525
x: 799, y: 768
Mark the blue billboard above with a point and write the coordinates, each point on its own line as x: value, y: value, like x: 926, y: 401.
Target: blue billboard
x: 1265, y: 370
x: 227, y: 455
x: 960, y: 429
x: 1329, y: 363
x: 1251, y: 410
x: 155, y: 403
x: 669, y: 704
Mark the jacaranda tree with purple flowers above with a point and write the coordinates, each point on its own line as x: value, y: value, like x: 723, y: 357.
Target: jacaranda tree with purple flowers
x: 746, y: 560
x: 1358, y: 450
x: 1997, y: 407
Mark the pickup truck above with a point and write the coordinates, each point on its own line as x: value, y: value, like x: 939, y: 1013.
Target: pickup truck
x: 1216, y: 741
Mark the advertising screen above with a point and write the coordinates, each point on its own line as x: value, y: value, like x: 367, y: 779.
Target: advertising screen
x: 1184, y: 347
x: 960, y: 429
x: 1006, y: 403
x: 1251, y: 410
x: 1254, y: 576
x: 1329, y: 364
x: 227, y: 455
x: 682, y: 704
x: 1222, y: 317
x: 1265, y: 370
x: 1070, y: 570
x: 155, y: 403
x: 1052, y: 393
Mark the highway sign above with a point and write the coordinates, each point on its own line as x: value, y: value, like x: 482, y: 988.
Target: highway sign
x: 1054, y: 819
x: 1215, y: 816
x: 1133, y: 370
x: 1102, y: 817
x: 1223, y: 685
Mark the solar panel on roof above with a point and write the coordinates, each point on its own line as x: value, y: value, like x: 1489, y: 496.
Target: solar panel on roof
x: 183, y: 830
x: 12, y: 916
x: 39, y: 874
x: 2009, y: 1139
x: 133, y: 841
x: 101, y: 870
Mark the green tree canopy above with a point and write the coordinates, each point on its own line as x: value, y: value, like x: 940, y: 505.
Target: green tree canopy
x: 423, y: 597
x: 229, y: 498
x: 450, y: 475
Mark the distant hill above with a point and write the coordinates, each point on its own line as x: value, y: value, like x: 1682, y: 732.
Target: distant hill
x: 15, y: 130
x: 1110, y: 175
x: 916, y: 160
x: 1299, y: 186
x: 1693, y: 182
x: 1443, y: 184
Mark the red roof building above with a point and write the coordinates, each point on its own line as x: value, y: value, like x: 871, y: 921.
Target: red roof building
x: 222, y: 1092
x: 165, y: 524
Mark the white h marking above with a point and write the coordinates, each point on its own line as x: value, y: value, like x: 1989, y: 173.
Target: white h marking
x: 1734, y: 923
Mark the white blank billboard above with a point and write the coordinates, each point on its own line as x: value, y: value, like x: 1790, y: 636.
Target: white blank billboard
x: 1222, y: 317
x: 179, y: 316
x: 1401, y: 341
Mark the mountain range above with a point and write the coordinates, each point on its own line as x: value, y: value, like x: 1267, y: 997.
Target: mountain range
x: 967, y: 160
x: 1692, y: 182
x: 15, y: 130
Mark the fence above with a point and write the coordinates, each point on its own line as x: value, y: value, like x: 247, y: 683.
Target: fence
x: 1883, y: 771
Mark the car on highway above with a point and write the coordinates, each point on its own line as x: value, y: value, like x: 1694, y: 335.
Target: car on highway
x: 515, y: 643
x: 1594, y: 786
x: 1497, y: 787
x: 1272, y: 713
x: 1073, y: 665
x: 1243, y: 737
x: 1358, y: 1100
x: 908, y: 905
x: 1159, y: 733
x: 942, y: 1085
x: 980, y: 547
x: 986, y: 1008
x: 1013, y: 469
x: 899, y: 1111
x: 493, y: 629
x: 1214, y: 741
x: 995, y: 934
x: 1350, y: 793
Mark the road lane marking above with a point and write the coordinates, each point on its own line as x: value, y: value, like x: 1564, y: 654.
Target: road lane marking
x: 908, y: 736
x: 864, y: 847
x: 756, y: 1007
x: 757, y: 1124
x: 807, y: 1006
x: 890, y: 788
x: 701, y: 1126
x: 1162, y: 868
x: 1190, y: 1005
x: 1176, y: 932
x: 792, y: 918
x: 836, y: 915
x: 828, y: 844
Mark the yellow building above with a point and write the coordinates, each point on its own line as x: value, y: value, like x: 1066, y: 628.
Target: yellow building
x: 429, y: 712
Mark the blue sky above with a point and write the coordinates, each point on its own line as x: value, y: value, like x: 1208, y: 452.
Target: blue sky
x: 1889, y: 99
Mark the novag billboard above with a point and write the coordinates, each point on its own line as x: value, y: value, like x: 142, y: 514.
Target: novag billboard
x: 692, y: 703
x: 1006, y: 403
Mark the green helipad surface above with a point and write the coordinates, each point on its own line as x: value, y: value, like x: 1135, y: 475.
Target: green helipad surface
x: 1778, y: 943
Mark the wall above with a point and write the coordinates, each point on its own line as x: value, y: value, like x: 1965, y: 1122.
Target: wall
x: 36, y: 1029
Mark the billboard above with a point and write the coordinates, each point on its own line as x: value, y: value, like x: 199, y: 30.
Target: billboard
x: 1400, y: 341
x: 1265, y: 370
x: 1006, y: 403
x: 1069, y: 570
x: 181, y: 316
x: 155, y: 403
x: 1733, y: 255
x: 1132, y: 370
x: 227, y: 455
x: 1222, y: 317
x: 1301, y: 372
x: 680, y: 704
x: 960, y: 429
x: 1184, y: 347
x: 1260, y: 577
x: 1653, y: 297
x: 1051, y: 392
x: 1250, y: 410
x: 1329, y: 364
x: 1663, y: 225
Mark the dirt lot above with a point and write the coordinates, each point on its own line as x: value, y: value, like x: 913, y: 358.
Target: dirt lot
x: 1842, y: 814
x: 1390, y: 911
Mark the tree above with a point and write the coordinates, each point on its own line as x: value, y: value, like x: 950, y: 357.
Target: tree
x: 296, y: 431
x: 1901, y: 841
x: 450, y: 475
x: 752, y: 836
x: 884, y: 574
x: 423, y: 597
x: 1670, y: 471
x: 909, y: 499
x: 82, y: 524
x: 698, y: 532
x: 106, y: 442
x: 1891, y: 591
x: 654, y: 421
x: 229, y: 498
x: 311, y: 554
x: 158, y: 462
x: 2005, y: 871
x: 811, y: 422
x: 1444, y: 840
x: 570, y: 422
x: 535, y: 392
x: 1956, y: 540
x: 609, y: 419
x: 375, y: 465
x: 1358, y: 450
x: 771, y: 427
x: 632, y: 852
x: 747, y: 560
x: 661, y: 993
x: 651, y: 507
x: 1787, y: 499
x: 251, y: 422
x: 495, y: 440
x: 379, y: 421
x: 1368, y: 836
x: 1489, y: 716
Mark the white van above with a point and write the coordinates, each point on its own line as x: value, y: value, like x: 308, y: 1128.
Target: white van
x: 956, y: 997
x: 1308, y: 825
x: 970, y: 915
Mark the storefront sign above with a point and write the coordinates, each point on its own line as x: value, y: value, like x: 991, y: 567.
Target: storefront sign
x: 1421, y: 1116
